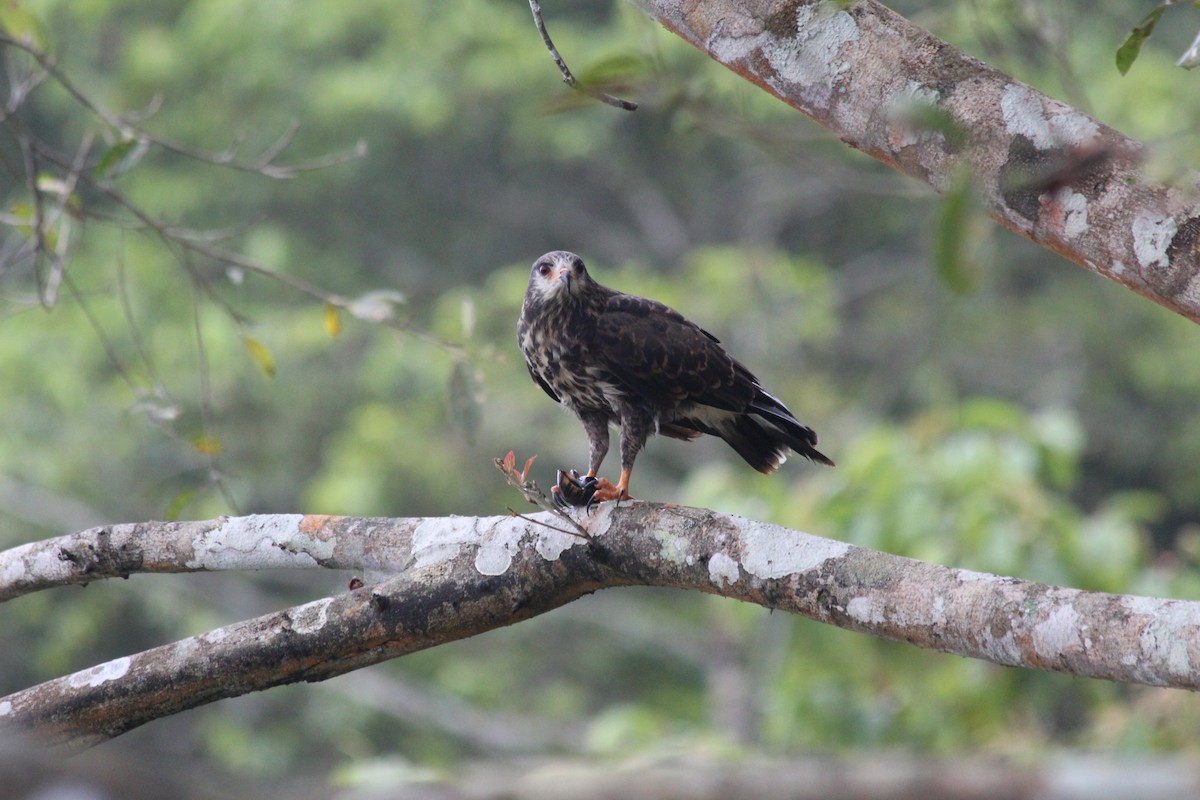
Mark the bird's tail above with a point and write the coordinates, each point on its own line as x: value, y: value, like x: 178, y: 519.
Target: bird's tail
x: 764, y: 433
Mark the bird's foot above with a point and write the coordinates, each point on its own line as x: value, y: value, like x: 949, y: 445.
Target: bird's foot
x: 575, y: 490
x: 605, y: 490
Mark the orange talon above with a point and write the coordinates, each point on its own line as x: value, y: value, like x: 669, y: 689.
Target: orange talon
x: 606, y: 491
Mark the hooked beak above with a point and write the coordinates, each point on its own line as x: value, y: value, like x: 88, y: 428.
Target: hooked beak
x: 562, y: 273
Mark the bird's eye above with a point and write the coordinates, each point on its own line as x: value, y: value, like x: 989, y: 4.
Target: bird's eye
x: 543, y: 269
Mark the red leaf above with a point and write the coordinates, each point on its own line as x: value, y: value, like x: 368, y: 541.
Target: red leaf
x: 528, y: 464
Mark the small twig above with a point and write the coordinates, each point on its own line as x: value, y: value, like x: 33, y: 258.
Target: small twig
x: 263, y: 165
x: 534, y: 495
x: 1191, y: 57
x: 544, y: 524
x: 568, y: 78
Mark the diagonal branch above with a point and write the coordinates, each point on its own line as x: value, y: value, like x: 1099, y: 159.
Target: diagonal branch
x: 467, y: 575
x: 265, y: 163
x: 568, y: 77
x: 886, y: 87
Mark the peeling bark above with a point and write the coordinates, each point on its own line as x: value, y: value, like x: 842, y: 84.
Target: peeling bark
x: 1044, y: 169
x: 460, y: 576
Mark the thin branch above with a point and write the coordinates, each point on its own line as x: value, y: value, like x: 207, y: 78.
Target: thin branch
x: 263, y: 165
x: 568, y: 78
x: 466, y: 575
x: 181, y: 242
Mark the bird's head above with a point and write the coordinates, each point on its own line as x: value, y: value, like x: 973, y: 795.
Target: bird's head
x: 557, y: 276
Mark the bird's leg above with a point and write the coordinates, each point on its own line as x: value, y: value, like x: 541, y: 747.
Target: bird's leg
x: 635, y: 429
x: 573, y: 489
x: 595, y: 425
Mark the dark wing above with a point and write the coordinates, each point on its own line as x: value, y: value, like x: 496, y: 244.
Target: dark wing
x: 667, y: 362
x: 654, y: 353
x: 545, y: 386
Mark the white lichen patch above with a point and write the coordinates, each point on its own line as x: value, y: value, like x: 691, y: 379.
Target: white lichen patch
x: 1137, y: 604
x: 810, y: 58
x: 1059, y: 633
x: 1169, y: 633
x: 311, y: 617
x: 1001, y: 649
x: 260, y: 541
x: 938, y: 612
x: 184, y: 650
x: 722, y: 570
x: 551, y: 544
x: 47, y: 565
x: 1152, y: 235
x: 971, y: 576
x: 215, y: 636
x: 440, y: 539
x: 864, y: 610
x: 672, y: 548
x: 769, y: 551
x: 806, y: 57
x: 102, y: 673
x: 6, y: 708
x: 500, y: 540
x: 1025, y: 114
x: 736, y: 37
x: 318, y: 549
x: 1075, y: 214
x: 497, y: 548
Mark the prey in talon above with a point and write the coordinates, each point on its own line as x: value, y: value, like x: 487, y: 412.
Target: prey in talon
x: 574, y: 490
x: 619, y: 360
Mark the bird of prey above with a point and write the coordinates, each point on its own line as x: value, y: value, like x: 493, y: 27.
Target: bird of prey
x: 619, y: 359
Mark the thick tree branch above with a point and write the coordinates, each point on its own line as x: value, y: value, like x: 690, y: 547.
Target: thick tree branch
x: 466, y: 575
x: 892, y: 90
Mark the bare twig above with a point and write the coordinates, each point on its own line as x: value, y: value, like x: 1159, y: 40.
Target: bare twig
x: 534, y: 495
x: 264, y: 164
x: 568, y: 78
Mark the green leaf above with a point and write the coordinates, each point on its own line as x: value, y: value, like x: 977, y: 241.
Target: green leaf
x: 178, y: 504
x: 120, y: 158
x: 950, y: 235
x: 207, y: 444
x: 1127, y: 53
x: 21, y: 24
x: 23, y: 214
x: 261, y: 355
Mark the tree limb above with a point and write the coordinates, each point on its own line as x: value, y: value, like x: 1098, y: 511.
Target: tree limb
x: 467, y: 575
x: 888, y: 88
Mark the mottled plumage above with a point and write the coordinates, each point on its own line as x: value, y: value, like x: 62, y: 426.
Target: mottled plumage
x: 615, y: 358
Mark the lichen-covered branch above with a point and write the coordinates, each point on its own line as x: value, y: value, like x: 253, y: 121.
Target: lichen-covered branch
x: 267, y: 541
x: 460, y: 576
x: 892, y: 90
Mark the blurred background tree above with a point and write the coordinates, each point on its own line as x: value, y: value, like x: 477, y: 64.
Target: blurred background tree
x: 1040, y: 424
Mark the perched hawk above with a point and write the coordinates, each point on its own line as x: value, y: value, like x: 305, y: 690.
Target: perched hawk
x: 617, y: 359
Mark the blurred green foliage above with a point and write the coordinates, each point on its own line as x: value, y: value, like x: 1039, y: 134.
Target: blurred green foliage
x: 1039, y: 424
